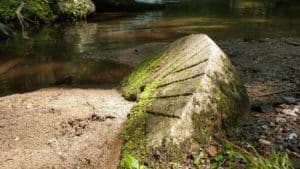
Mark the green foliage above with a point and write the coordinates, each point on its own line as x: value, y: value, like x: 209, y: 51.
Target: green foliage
x: 129, y: 162
x: 7, y: 9
x: 39, y: 9
x: 75, y: 9
x: 250, y: 160
x: 34, y: 9
x: 277, y: 160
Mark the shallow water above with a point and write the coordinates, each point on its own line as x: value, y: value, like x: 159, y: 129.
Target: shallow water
x: 58, y: 52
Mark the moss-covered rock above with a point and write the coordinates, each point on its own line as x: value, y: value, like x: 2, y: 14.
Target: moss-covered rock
x: 46, y: 10
x: 75, y: 9
x: 186, y: 96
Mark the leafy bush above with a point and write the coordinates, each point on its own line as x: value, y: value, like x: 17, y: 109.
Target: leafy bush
x: 75, y: 9
x: 33, y: 9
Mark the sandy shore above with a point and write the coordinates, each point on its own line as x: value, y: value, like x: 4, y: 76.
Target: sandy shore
x: 62, y: 128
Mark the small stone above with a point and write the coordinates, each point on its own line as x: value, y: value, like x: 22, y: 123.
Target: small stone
x: 290, y: 112
x: 263, y: 137
x: 279, y: 147
x: 266, y: 108
x: 211, y: 151
x: 265, y: 127
x: 17, y: 138
x: 297, y: 109
x: 264, y: 142
x: 293, y: 141
x: 28, y: 106
x: 280, y: 120
x: 290, y: 100
x: 279, y: 130
x: 278, y: 109
x: 279, y: 139
x: 292, y: 148
x: 292, y: 136
x: 272, y: 124
x: 263, y: 108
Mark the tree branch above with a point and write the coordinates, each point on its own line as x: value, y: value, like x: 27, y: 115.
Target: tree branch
x: 22, y: 22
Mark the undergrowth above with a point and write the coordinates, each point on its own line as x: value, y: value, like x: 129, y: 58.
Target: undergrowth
x: 33, y: 9
x: 232, y: 158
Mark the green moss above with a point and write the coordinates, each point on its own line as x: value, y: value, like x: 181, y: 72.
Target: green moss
x: 135, y: 130
x: 230, y: 96
x: 202, y: 134
x: 132, y: 84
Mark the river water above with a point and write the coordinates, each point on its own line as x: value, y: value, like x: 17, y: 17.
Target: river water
x: 66, y: 53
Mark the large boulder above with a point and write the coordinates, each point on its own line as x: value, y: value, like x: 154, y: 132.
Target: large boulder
x: 75, y: 9
x: 187, y: 95
x: 5, y: 32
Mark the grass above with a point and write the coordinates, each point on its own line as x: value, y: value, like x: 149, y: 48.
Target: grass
x: 232, y: 158
x: 34, y: 9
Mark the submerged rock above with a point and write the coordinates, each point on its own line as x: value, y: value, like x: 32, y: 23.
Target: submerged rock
x: 187, y: 94
x: 75, y: 8
x: 5, y: 32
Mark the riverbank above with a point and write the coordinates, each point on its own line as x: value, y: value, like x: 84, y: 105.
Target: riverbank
x: 80, y: 127
x: 62, y: 128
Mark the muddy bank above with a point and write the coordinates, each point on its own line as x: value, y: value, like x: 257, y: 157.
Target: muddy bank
x: 62, y: 128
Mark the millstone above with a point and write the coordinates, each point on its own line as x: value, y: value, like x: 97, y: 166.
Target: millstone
x: 187, y: 95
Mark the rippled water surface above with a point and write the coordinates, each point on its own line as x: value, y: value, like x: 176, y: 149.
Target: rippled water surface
x: 70, y: 53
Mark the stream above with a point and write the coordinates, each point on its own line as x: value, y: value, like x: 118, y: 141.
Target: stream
x: 79, y: 53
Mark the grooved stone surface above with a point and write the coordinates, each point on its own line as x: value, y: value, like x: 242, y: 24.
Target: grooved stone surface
x: 199, y: 94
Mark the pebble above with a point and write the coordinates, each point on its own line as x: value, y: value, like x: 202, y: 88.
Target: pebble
x: 211, y: 151
x: 265, y: 127
x: 293, y: 141
x: 293, y: 148
x: 279, y: 147
x: 264, y: 142
x: 280, y: 120
x: 297, y: 109
x: 290, y: 100
x: 292, y: 136
x: 263, y: 108
x: 272, y: 124
x: 290, y: 112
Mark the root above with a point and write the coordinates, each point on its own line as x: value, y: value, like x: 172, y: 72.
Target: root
x: 22, y: 21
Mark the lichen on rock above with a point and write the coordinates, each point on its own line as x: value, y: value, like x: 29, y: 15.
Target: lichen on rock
x: 187, y: 95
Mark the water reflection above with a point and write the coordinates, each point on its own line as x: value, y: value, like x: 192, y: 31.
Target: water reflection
x: 28, y: 76
x: 82, y: 50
